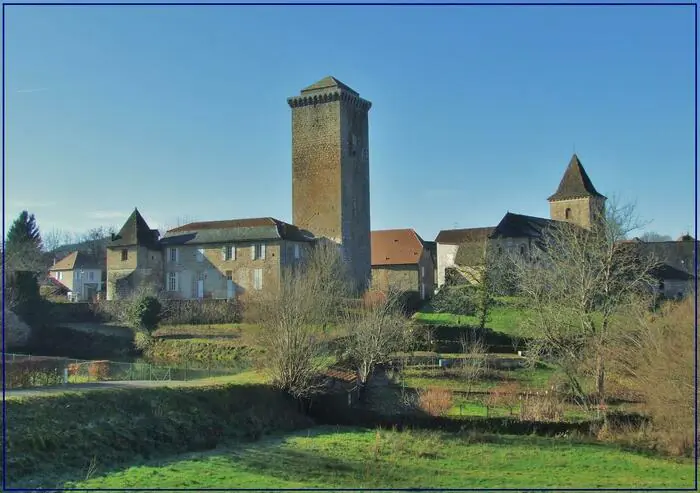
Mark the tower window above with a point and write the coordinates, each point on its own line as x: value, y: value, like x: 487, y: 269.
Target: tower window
x: 567, y: 214
x: 125, y: 255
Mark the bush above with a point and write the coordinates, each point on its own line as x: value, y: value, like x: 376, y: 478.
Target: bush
x: 63, y: 433
x: 198, y: 353
x: 541, y: 406
x: 201, y: 312
x: 143, y: 341
x: 458, y: 300
x: 435, y: 401
x: 33, y: 372
x: 143, y: 313
x: 504, y: 395
x: 98, y: 370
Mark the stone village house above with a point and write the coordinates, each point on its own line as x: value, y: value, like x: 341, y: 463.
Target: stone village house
x: 80, y: 274
x: 401, y: 261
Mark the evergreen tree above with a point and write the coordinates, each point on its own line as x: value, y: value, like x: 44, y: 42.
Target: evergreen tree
x: 24, y: 232
x: 23, y: 244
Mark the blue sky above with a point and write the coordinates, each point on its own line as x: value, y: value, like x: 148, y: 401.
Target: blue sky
x: 181, y: 111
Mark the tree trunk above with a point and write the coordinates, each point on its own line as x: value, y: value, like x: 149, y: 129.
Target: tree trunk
x: 600, y: 380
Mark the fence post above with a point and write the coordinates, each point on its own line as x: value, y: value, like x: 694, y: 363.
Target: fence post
x: 150, y: 372
x: 65, y: 376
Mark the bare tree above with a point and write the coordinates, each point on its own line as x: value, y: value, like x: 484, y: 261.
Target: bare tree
x: 473, y: 363
x: 651, y: 236
x: 57, y: 238
x: 656, y: 361
x: 294, y: 319
x: 374, y: 332
x: 583, y: 281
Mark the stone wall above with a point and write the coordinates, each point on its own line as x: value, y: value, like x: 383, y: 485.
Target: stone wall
x: 400, y: 277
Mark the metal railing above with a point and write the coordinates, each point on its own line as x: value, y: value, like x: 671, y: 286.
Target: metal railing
x: 26, y: 371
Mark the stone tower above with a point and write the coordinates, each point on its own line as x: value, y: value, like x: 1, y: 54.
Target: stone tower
x: 576, y: 200
x: 330, y: 169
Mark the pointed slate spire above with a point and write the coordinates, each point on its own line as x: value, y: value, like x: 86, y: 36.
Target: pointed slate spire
x: 135, y: 232
x: 575, y: 184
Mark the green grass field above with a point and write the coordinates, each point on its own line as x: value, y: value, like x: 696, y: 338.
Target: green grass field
x: 347, y: 458
x: 505, y: 319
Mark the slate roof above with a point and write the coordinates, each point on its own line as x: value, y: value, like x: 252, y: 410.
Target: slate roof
x: 396, y: 247
x: 253, y: 229
x: 575, y: 183
x: 457, y: 236
x: 668, y: 272
x: 328, y: 83
x: 135, y: 232
x: 76, y: 260
x: 521, y: 226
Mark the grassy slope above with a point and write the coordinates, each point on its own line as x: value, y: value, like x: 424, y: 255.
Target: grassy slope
x: 505, y: 319
x: 325, y: 457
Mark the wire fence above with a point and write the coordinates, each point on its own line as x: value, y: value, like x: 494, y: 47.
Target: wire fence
x: 26, y: 371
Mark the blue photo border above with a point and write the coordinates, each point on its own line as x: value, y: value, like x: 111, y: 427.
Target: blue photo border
x: 367, y: 4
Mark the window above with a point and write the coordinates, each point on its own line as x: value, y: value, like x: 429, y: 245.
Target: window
x: 259, y: 252
x: 297, y: 252
x: 257, y: 279
x: 229, y: 252
x: 229, y: 275
x: 91, y: 276
x: 125, y: 255
x: 200, y: 254
x: 522, y: 249
x: 172, y: 254
x: 59, y: 276
x: 567, y: 213
x: 172, y: 281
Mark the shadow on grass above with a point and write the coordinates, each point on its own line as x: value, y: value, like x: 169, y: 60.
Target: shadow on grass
x: 269, y: 456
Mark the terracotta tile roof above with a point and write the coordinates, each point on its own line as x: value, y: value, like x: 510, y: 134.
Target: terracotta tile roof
x: 75, y: 260
x: 396, y: 247
x: 50, y: 281
x: 575, y: 183
x: 135, y: 232
x: 341, y: 374
x: 457, y: 236
x: 260, y: 228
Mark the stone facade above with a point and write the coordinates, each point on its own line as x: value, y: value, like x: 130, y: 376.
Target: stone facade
x: 330, y: 169
x: 129, y: 267
x: 581, y: 211
x: 413, y: 278
x: 228, y: 270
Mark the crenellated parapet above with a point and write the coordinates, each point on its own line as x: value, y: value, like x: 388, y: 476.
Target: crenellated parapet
x: 329, y: 97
